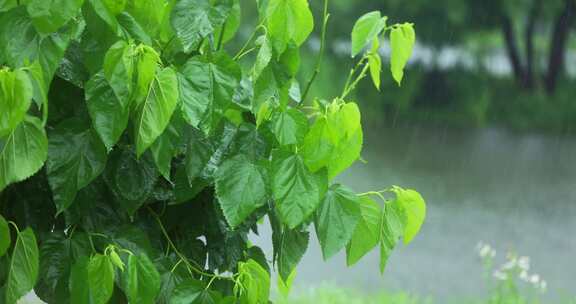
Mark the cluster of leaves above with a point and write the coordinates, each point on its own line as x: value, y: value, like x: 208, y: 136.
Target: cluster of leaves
x: 139, y: 154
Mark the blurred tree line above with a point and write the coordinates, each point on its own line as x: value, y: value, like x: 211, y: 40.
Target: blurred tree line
x: 523, y: 61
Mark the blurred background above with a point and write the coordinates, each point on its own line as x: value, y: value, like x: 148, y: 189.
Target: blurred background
x: 483, y: 126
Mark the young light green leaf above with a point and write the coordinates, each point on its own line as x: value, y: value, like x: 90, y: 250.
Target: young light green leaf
x: 15, y: 98
x: 109, y: 115
x: 346, y: 125
x: 413, y: 210
x: 367, y: 233
x: 194, y: 20
x: 290, y: 126
x: 402, y: 39
x: 49, y: 16
x: 143, y: 280
x: 156, y: 110
x: 23, y: 152
x: 241, y: 188
x: 293, y: 245
x: 24, y: 265
x: 296, y: 190
x: 100, y: 279
x: 119, y: 70
x: 76, y: 156
x: 319, y: 144
x: 207, y: 87
x: 147, y: 60
x: 288, y: 21
x: 375, y: 64
x: 78, y: 283
x: 115, y: 6
x: 336, y: 219
x: 4, y: 236
x: 284, y: 286
x: 253, y: 283
x: 366, y: 29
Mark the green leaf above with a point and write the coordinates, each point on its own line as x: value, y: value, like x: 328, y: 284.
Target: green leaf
x: 131, y: 179
x: 413, y: 209
x: 392, y: 229
x: 24, y: 266
x: 4, y: 236
x: 296, y: 190
x: 264, y: 55
x: 288, y: 21
x: 92, y: 280
x: 100, y: 279
x: 232, y: 23
x: 15, y: 97
x: 367, y: 233
x: 109, y: 115
x: 293, y: 245
x: 76, y: 156
x: 6, y: 5
x: 143, y: 280
x: 284, y: 286
x: 366, y: 29
x: 336, y: 219
x: 156, y: 110
x: 375, y: 64
x: 29, y: 46
x: 187, y: 292
x: 194, y: 20
x: 23, y: 152
x: 402, y: 39
x: 346, y: 124
x: 241, y: 188
x: 207, y: 88
x: 146, y: 65
x: 290, y: 126
x: 166, y: 146
x: 119, y: 70
x: 49, y: 16
x: 255, y: 283
x: 319, y: 144
x: 115, y: 6
x: 148, y: 13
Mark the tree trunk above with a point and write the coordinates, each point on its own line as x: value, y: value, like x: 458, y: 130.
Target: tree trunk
x: 512, y: 49
x: 529, y: 79
x: 558, y: 43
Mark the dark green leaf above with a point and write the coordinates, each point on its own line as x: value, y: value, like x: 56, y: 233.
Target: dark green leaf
x: 336, y: 219
x: 76, y: 156
x: 109, y: 115
x: 241, y: 188
x: 194, y: 20
x: 293, y: 245
x: 297, y: 192
x: 188, y: 292
x: 207, y: 88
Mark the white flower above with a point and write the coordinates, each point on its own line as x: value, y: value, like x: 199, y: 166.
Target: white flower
x: 543, y: 286
x: 524, y: 263
x: 524, y: 276
x: 499, y: 275
x: 511, y: 264
x: 535, y: 279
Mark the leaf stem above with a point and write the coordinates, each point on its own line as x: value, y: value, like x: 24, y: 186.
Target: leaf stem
x: 351, y: 85
x: 247, y: 44
x: 182, y: 257
x: 322, y: 49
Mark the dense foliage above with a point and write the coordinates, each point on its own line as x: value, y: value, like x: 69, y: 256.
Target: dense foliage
x: 138, y: 154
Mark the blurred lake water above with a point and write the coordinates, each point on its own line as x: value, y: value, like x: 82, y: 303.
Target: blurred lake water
x: 514, y: 191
